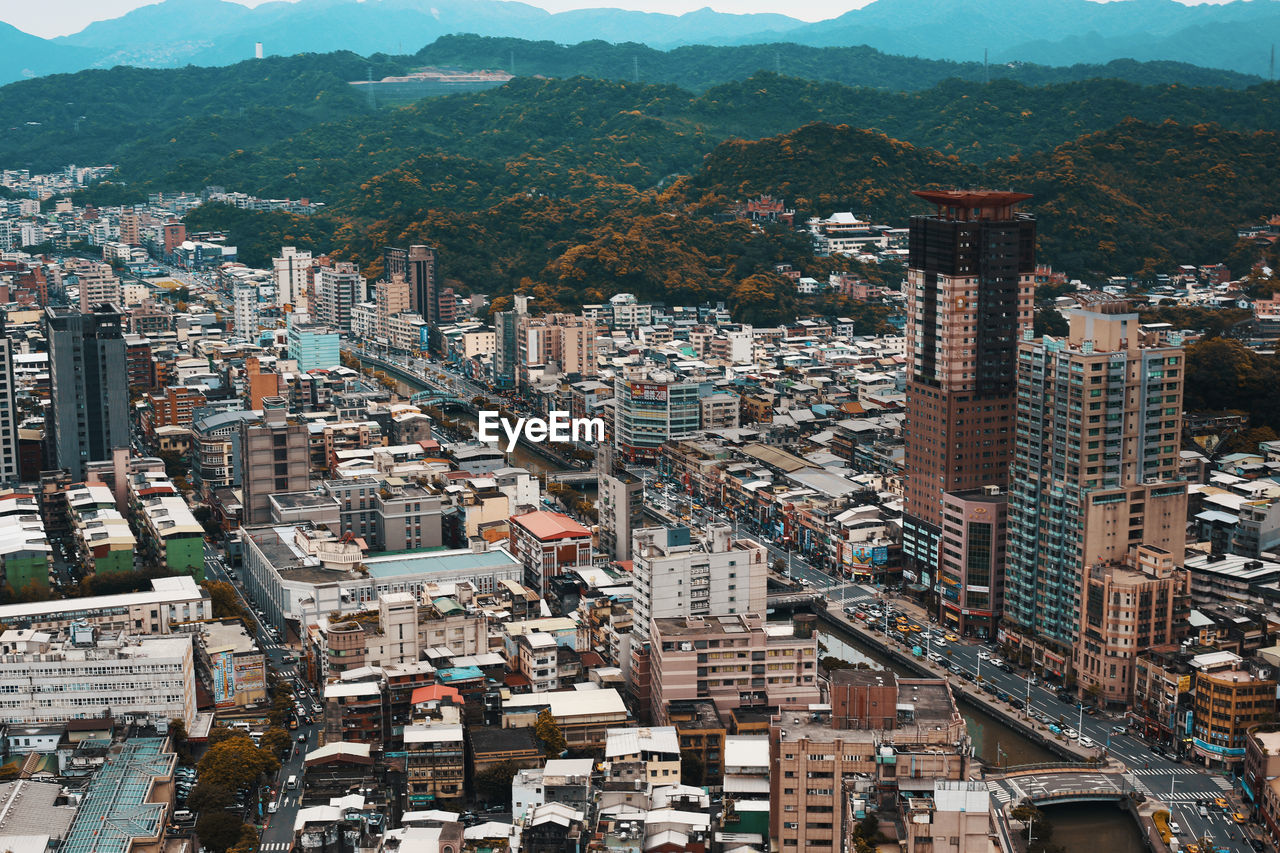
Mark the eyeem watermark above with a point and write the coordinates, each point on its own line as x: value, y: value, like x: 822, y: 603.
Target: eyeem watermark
x: 558, y: 429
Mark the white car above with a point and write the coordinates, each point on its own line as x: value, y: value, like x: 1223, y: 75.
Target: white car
x: 996, y: 662
x: 983, y: 655
x: 1175, y: 828
x: 1087, y: 742
x: 1071, y: 733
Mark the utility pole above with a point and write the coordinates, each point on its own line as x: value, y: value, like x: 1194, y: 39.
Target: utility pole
x: 1028, y: 709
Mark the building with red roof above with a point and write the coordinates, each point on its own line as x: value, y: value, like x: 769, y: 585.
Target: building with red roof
x: 547, y: 544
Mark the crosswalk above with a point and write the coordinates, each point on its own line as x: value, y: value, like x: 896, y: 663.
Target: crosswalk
x: 272, y: 846
x: 1172, y: 771
x: 1001, y: 793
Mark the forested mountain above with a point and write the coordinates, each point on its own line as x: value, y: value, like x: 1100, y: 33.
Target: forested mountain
x: 1136, y: 198
x: 288, y: 126
x: 698, y: 67
x: 1234, y: 35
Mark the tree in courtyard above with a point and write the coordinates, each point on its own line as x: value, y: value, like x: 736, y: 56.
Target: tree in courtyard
x: 548, y: 731
x: 493, y: 784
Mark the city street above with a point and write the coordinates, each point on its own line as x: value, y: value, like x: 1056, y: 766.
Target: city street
x: 1183, y: 786
x: 277, y: 834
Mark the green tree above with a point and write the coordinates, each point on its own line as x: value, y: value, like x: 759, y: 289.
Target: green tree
x: 493, y: 784
x: 276, y: 740
x: 219, y: 829
x: 226, y: 602
x: 235, y: 763
x: 548, y: 731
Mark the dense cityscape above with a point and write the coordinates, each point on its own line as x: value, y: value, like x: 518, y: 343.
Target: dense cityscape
x: 337, y: 520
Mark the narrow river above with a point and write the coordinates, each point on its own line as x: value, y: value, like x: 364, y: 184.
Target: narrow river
x: 1076, y: 828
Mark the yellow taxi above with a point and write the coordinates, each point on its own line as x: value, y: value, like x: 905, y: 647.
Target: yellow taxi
x: 952, y: 638
x: 1239, y: 817
x: 1220, y: 802
x: 916, y: 628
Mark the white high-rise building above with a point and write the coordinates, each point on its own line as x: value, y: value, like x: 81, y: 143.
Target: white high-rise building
x: 291, y: 270
x: 246, y: 311
x: 98, y: 286
x: 677, y: 574
x: 9, y: 470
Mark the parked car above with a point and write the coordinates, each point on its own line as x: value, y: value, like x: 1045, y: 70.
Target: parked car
x: 1087, y: 742
x: 1071, y: 733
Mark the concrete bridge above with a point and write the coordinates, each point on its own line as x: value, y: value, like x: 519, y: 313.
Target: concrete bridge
x: 1048, y: 784
x: 793, y: 600
x: 570, y: 477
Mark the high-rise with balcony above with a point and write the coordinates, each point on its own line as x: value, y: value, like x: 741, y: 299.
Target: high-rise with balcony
x: 274, y: 458
x: 292, y: 269
x: 89, y: 393
x: 1095, y: 468
x: 969, y: 293
x: 9, y: 468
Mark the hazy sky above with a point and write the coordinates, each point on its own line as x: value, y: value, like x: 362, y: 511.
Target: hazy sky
x: 63, y: 17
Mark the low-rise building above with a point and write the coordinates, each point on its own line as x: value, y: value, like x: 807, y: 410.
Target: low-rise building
x: 1229, y: 700
x: 734, y: 661
x: 584, y: 716
x: 547, y: 544
x: 170, y: 604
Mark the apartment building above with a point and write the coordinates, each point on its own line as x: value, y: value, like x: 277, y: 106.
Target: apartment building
x: 292, y: 273
x: 818, y: 763
x: 1125, y: 610
x: 169, y: 534
x: 1230, y: 699
x: 104, y: 541
x: 970, y: 282
x: 735, y: 661
x: 971, y: 560
x: 9, y: 456
x: 677, y: 575
x: 89, y: 393
x: 170, y: 603
x: 338, y: 289
x: 652, y: 407
x: 273, y: 458
x: 44, y: 678
x: 435, y: 766
x: 1095, y: 467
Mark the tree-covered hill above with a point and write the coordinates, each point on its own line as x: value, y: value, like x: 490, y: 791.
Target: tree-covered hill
x: 699, y: 67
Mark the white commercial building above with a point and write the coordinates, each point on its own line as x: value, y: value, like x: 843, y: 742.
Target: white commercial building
x: 169, y: 603
x: 291, y: 271
x: 48, y: 680
x: 297, y: 572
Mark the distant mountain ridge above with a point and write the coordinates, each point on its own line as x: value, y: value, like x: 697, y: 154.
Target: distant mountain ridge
x: 1235, y: 36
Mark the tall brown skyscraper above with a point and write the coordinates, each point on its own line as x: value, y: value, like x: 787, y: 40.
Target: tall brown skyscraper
x: 970, y: 291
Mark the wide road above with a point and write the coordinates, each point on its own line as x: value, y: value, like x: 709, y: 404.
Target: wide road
x: 1184, y: 787
x: 277, y: 834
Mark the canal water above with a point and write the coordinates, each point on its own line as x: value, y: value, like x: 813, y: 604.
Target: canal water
x: 1076, y: 828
